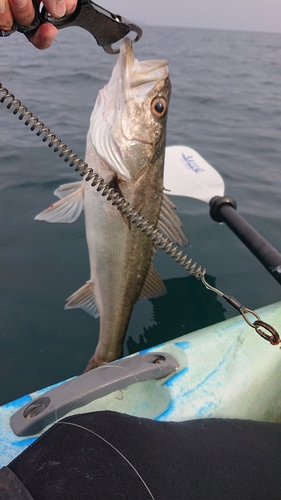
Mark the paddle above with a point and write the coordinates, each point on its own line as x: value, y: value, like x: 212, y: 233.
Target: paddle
x: 186, y: 173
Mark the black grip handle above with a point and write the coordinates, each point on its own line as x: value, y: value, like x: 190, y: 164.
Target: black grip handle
x: 223, y: 209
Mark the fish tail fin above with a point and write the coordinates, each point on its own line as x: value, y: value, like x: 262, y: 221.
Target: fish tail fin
x: 66, y: 209
x: 84, y: 297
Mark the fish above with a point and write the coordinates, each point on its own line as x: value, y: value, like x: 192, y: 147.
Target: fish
x: 126, y: 147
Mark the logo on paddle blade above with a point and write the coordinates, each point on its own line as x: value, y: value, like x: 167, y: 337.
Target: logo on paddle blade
x: 190, y: 163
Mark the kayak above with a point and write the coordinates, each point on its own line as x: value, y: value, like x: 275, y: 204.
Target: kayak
x: 221, y: 371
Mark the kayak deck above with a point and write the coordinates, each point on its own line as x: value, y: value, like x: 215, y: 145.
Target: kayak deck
x: 225, y: 371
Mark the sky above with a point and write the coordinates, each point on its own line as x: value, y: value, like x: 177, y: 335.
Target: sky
x: 245, y: 15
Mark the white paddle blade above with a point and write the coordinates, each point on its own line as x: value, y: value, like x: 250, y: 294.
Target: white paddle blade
x: 186, y: 173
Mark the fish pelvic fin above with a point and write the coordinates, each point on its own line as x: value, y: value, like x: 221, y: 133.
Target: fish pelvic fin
x: 66, y: 209
x: 169, y: 223
x: 66, y: 189
x: 153, y: 285
x: 84, y: 297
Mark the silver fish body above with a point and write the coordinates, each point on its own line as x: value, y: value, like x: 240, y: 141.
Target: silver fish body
x: 126, y: 146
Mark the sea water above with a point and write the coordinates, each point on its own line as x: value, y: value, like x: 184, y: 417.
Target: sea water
x: 225, y: 104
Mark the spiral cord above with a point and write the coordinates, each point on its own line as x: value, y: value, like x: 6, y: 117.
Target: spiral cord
x: 87, y: 172
x: 263, y: 329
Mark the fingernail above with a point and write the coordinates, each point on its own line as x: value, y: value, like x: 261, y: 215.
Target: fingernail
x: 60, y: 8
x: 71, y: 8
x: 2, y: 6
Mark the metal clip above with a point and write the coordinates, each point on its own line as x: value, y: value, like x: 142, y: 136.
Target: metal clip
x: 273, y: 338
x: 258, y: 324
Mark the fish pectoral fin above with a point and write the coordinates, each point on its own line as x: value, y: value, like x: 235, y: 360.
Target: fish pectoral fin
x: 66, y: 210
x: 84, y: 297
x: 169, y: 223
x: 66, y: 189
x: 153, y: 285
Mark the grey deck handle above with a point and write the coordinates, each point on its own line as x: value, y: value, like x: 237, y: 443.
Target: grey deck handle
x: 44, y: 410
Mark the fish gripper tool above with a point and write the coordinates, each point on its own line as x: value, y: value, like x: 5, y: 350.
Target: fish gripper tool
x: 107, y: 28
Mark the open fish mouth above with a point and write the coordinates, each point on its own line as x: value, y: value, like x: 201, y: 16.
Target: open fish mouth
x: 137, y: 74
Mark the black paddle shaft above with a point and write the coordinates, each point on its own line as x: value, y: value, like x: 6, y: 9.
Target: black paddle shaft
x: 223, y: 209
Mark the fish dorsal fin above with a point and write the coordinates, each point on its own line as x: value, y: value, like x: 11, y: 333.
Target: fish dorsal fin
x: 169, y: 223
x: 153, y: 285
x: 66, y: 189
x: 67, y: 209
x: 84, y: 297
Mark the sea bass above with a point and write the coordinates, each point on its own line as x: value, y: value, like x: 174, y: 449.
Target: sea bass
x: 126, y: 147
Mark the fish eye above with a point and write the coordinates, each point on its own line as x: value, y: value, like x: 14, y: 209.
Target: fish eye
x: 159, y: 107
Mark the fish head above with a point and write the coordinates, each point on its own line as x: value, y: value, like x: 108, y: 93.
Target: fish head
x: 128, y: 123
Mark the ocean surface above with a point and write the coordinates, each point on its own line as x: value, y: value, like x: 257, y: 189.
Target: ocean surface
x: 225, y: 104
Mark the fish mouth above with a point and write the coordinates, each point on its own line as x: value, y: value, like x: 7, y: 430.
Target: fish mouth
x: 141, y: 76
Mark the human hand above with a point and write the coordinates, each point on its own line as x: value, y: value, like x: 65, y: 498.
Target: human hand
x: 23, y: 13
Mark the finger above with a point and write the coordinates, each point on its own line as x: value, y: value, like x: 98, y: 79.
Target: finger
x: 44, y: 36
x: 6, y: 17
x: 56, y: 8
x: 22, y: 11
x: 70, y: 6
